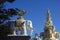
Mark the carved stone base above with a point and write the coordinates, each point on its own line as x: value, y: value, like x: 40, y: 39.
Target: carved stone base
x: 17, y: 35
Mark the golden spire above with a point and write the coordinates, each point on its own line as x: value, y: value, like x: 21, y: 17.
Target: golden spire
x: 48, y: 15
x: 49, y: 24
x: 48, y: 21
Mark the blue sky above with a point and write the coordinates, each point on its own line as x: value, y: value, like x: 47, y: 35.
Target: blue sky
x: 37, y: 11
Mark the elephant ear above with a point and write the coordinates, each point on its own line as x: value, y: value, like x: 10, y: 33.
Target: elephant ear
x: 22, y: 23
x: 17, y: 23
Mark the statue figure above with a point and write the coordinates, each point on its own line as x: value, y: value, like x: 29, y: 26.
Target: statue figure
x: 49, y: 30
x: 22, y: 25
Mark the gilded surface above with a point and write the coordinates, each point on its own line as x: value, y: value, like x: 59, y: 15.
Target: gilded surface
x: 49, y: 30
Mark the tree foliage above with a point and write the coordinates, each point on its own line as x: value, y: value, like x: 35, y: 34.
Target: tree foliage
x: 3, y: 1
x: 5, y: 14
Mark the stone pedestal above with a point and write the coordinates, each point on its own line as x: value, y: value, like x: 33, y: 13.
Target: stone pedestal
x: 15, y: 37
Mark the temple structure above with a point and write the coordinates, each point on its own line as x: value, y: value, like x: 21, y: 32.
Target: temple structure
x: 49, y: 29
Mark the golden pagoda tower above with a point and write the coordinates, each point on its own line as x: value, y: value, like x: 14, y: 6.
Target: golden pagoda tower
x: 49, y: 29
